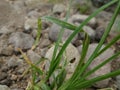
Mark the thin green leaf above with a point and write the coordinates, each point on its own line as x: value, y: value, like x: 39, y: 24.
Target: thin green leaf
x: 38, y: 33
x: 60, y: 22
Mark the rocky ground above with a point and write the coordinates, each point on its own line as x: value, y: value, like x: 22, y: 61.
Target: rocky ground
x: 18, y: 29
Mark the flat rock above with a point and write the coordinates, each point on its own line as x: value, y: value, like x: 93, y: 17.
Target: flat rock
x: 21, y: 40
x: 103, y: 70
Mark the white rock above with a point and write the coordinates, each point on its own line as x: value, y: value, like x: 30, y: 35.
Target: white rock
x: 72, y: 56
x: 103, y: 70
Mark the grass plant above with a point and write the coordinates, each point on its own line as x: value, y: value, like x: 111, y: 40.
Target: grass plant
x: 78, y: 80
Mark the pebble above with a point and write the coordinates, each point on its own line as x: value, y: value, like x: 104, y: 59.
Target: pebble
x: 89, y: 31
x: 34, y: 57
x: 59, y: 8
x: 21, y: 40
x: 71, y: 54
x: 3, y: 75
x: 54, y: 31
x: 105, y: 69
x: 115, y: 28
x: 30, y: 24
x: 80, y: 18
x: 6, y: 30
x: 118, y: 82
x: 44, y: 43
x: 4, y: 48
x: 99, y: 33
x: 4, y: 87
x: 14, y: 62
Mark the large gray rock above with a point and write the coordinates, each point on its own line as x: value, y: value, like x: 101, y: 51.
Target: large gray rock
x: 21, y: 40
x: 103, y: 70
x: 4, y: 87
x: 71, y: 54
x: 55, y: 30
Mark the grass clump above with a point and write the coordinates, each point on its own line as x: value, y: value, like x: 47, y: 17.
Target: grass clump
x: 78, y: 80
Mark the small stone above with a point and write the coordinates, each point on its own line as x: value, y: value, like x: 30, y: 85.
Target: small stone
x: 116, y: 27
x: 4, y: 87
x: 13, y: 77
x: 34, y: 57
x: 103, y: 70
x: 99, y: 33
x: 89, y: 31
x: 5, y: 30
x: 118, y: 82
x: 54, y: 31
x: 44, y: 43
x: 3, y: 75
x: 58, y: 8
x: 30, y: 24
x: 4, y: 48
x: 80, y: 18
x: 14, y: 62
x: 21, y: 40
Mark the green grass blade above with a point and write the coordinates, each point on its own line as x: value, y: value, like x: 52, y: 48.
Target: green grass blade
x: 38, y: 33
x: 60, y: 22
